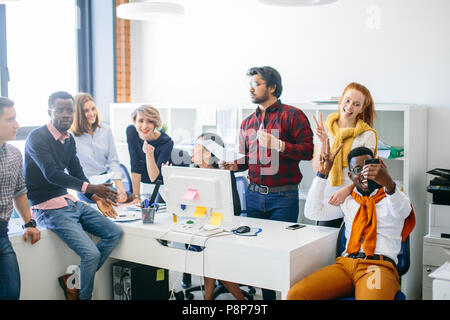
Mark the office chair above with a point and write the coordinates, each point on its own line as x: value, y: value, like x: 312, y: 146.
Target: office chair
x: 402, y: 265
x: 180, y: 158
x: 127, y: 181
x: 241, y: 184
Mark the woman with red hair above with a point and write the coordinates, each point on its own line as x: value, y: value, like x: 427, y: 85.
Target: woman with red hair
x: 350, y: 126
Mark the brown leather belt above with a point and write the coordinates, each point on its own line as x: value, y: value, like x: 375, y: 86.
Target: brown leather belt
x: 362, y: 255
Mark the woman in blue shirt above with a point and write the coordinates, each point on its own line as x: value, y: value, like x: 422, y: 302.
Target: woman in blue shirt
x: 95, y: 145
x: 148, y: 146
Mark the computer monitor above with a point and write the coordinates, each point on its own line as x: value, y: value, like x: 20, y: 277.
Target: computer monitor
x: 187, y: 189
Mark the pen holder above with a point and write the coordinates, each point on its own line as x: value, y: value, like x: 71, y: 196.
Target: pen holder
x: 148, y: 215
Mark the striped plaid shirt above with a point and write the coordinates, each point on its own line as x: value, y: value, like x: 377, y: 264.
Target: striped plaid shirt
x: 268, y: 166
x: 12, y: 182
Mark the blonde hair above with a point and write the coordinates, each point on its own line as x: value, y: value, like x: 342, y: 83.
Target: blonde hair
x: 80, y: 124
x: 149, y: 112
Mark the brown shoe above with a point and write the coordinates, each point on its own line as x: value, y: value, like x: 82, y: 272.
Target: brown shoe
x: 71, y: 294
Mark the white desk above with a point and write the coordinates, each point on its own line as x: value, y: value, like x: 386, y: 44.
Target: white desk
x: 275, y: 259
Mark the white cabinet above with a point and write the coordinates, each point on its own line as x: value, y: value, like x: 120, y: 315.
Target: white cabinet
x: 436, y: 251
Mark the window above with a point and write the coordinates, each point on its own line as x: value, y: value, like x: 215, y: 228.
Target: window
x: 41, y: 55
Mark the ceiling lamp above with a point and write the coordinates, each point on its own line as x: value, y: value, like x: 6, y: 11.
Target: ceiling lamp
x: 293, y: 3
x: 148, y: 10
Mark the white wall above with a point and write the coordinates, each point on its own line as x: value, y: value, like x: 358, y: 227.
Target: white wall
x: 318, y: 50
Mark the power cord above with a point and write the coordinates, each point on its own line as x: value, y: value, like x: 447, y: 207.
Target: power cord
x: 222, y: 234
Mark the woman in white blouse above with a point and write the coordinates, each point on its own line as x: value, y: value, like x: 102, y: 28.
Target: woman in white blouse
x: 351, y: 126
x: 96, y: 149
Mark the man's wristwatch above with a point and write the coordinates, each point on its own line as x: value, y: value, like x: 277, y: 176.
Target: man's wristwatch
x: 321, y: 175
x: 30, y: 224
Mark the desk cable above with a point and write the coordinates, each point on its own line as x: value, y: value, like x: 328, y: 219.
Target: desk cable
x: 222, y: 234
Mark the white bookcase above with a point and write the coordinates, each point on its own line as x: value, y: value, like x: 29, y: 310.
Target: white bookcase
x: 397, y: 125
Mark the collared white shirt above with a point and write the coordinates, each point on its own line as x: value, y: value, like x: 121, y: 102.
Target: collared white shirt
x: 97, y: 153
x: 391, y: 214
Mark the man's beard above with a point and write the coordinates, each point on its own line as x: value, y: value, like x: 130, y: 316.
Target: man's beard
x: 263, y: 99
x: 61, y: 127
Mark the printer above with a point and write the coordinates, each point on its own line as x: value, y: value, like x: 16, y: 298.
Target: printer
x: 439, y: 212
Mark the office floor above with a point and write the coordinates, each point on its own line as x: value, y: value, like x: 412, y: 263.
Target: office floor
x: 175, y: 283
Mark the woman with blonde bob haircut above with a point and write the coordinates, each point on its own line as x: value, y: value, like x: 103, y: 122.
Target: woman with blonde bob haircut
x: 149, y: 147
x: 350, y: 126
x: 95, y: 144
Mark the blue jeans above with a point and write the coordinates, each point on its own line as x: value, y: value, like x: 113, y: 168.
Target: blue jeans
x: 71, y: 224
x: 281, y: 206
x: 9, y: 271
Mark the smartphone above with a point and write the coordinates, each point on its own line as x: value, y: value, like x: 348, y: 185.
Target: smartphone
x: 295, y: 226
x: 370, y: 183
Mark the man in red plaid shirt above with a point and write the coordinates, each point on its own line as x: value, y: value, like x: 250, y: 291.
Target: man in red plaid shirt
x: 274, y: 139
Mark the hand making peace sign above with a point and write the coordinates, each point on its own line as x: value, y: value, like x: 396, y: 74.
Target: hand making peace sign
x: 327, y: 158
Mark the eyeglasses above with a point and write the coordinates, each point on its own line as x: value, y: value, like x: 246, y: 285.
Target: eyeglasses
x: 255, y: 84
x: 356, y: 170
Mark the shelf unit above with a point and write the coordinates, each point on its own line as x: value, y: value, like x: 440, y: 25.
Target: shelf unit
x: 397, y: 125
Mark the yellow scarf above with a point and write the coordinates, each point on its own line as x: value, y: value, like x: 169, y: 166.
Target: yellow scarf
x: 345, y: 136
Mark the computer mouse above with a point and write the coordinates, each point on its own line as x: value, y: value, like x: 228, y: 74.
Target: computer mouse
x: 242, y: 229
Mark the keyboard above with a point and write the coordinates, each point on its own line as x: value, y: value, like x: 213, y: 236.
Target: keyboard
x: 194, y: 229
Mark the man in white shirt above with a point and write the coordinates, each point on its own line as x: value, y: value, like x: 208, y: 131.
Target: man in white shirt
x: 377, y: 218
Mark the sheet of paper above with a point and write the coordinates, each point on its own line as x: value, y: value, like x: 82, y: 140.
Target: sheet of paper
x: 443, y: 272
x: 199, y: 212
x: 216, y: 218
x: 220, y: 152
x: 102, y: 178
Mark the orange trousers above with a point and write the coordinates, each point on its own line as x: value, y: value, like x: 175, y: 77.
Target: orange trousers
x: 365, y: 279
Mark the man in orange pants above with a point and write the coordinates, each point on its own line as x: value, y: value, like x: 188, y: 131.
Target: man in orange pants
x: 378, y: 217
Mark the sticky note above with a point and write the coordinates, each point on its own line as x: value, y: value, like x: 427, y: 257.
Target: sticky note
x: 191, y: 194
x: 160, y: 275
x: 216, y: 219
x: 199, y: 212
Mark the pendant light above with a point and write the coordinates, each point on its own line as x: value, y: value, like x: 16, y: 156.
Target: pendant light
x: 296, y: 3
x: 149, y: 10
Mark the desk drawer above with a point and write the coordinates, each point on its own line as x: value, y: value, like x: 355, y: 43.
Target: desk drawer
x: 434, y: 255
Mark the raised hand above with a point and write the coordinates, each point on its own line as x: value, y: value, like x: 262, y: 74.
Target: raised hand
x: 268, y: 140
x: 320, y: 129
x: 327, y: 158
x: 378, y: 172
x: 148, y: 149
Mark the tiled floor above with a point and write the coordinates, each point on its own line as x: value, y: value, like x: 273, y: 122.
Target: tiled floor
x: 175, y: 283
